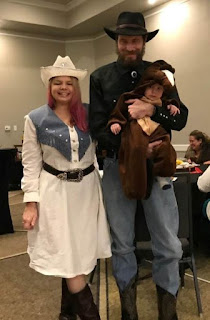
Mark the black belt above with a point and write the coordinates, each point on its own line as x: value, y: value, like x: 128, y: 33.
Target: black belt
x: 75, y: 175
x: 111, y: 154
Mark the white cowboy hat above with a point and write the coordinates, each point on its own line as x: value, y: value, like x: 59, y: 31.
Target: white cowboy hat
x: 61, y: 67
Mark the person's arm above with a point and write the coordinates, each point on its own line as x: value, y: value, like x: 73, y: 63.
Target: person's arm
x: 99, y: 116
x: 120, y: 113
x: 173, y: 109
x: 188, y: 153
x: 115, y: 128
x: 32, y: 164
x: 169, y: 122
x: 204, y: 156
x: 139, y: 109
x: 204, y: 181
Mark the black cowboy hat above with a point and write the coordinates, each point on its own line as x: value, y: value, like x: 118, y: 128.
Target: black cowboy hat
x: 131, y: 24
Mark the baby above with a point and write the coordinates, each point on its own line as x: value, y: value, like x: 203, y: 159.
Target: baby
x: 137, y: 134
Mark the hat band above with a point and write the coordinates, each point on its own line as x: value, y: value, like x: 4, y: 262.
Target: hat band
x: 122, y: 26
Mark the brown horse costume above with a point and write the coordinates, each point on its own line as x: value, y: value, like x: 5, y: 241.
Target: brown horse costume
x: 137, y: 134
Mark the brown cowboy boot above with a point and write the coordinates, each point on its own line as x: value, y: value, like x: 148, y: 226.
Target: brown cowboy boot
x: 67, y: 307
x: 166, y: 305
x: 85, y: 306
x: 128, y: 301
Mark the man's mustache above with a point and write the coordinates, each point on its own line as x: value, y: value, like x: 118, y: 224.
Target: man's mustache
x: 131, y: 52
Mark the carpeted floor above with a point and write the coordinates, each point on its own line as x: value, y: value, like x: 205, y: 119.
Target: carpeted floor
x: 26, y: 294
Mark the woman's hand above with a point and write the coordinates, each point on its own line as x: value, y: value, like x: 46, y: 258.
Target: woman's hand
x: 30, y: 215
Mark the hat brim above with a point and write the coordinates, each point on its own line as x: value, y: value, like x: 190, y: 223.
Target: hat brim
x: 131, y: 32
x: 50, y: 72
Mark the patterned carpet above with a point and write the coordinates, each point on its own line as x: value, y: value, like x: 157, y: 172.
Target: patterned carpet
x: 26, y: 294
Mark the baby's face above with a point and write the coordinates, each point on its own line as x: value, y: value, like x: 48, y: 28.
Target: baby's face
x: 154, y: 92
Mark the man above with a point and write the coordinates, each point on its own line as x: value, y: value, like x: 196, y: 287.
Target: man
x: 106, y: 85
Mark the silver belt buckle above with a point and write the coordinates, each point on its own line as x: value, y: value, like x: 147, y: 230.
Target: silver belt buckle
x: 80, y: 175
x: 64, y: 175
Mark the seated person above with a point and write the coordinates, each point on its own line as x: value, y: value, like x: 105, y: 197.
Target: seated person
x: 156, y: 83
x: 199, y: 148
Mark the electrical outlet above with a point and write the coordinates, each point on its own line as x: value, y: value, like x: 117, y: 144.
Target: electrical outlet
x: 7, y: 128
x: 15, y: 127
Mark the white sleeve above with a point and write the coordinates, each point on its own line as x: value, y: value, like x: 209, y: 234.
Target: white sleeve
x: 204, y: 181
x: 32, y: 163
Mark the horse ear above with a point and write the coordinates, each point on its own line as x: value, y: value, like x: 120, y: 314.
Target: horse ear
x: 166, y: 66
x: 170, y: 76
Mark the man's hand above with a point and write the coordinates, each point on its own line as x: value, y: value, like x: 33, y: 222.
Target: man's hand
x: 30, y: 215
x: 151, y: 146
x: 139, y: 109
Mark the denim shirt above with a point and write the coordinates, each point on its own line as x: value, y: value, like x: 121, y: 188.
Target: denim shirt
x: 52, y: 131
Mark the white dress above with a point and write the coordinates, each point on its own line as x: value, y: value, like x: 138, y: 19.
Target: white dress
x: 71, y: 232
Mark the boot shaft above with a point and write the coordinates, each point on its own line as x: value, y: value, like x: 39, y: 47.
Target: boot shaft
x: 85, y: 306
x: 166, y: 305
x: 128, y: 301
x: 67, y: 304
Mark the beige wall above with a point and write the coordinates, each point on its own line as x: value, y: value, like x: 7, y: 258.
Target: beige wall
x: 188, y: 50
x: 104, y: 51
x: 21, y: 88
x: 83, y: 56
x: 187, y: 47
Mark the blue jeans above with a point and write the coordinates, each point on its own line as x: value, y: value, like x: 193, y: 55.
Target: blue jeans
x: 162, y: 218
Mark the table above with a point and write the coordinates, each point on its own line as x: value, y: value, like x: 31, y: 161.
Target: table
x: 6, y: 158
x: 198, y: 199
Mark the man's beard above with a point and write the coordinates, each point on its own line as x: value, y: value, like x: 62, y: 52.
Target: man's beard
x: 129, y: 62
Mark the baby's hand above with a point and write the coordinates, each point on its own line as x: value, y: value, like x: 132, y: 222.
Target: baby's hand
x: 115, y: 128
x: 173, y: 109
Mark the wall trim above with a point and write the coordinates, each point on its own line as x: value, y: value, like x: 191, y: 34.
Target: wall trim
x: 42, y: 4
x: 72, y: 4
x: 30, y: 37
x: 180, y: 147
x: 79, y: 40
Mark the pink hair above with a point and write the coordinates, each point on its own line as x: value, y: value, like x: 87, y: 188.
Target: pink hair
x: 76, y: 108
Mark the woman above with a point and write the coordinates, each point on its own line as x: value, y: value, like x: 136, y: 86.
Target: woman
x: 64, y: 211
x: 199, y: 148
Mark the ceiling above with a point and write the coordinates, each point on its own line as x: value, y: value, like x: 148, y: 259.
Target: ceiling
x: 65, y: 19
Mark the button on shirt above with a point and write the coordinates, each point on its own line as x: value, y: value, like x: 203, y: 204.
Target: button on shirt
x: 74, y: 145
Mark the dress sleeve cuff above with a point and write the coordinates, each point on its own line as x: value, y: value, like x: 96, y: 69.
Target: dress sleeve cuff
x: 31, y: 197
